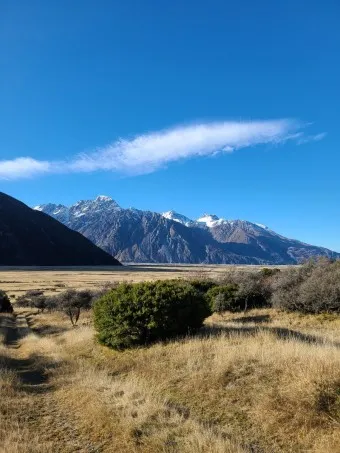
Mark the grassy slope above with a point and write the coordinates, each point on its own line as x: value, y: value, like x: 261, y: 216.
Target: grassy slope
x: 266, y: 383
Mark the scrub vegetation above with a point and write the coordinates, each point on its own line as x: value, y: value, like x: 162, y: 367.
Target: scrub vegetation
x: 263, y: 376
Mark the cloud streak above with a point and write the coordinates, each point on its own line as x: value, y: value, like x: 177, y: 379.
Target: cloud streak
x: 149, y: 152
x: 22, y: 167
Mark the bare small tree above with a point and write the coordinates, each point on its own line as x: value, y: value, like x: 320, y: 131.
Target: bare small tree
x: 33, y: 299
x: 72, y: 301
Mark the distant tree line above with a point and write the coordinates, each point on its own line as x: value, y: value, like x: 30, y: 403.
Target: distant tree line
x: 71, y: 302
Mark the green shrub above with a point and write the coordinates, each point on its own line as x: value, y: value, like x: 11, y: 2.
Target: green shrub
x: 202, y: 285
x: 5, y: 304
x: 223, y: 298
x: 141, y: 313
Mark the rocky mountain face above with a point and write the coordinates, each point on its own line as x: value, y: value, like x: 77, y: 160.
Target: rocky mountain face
x: 32, y: 238
x: 137, y: 236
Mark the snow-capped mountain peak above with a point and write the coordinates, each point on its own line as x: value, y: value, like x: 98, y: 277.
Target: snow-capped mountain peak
x: 54, y: 210
x: 100, y: 200
x: 100, y: 204
x: 134, y: 235
x: 176, y: 217
x: 63, y: 213
x: 210, y: 220
x: 103, y: 198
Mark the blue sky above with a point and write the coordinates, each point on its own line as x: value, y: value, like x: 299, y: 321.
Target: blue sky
x: 230, y: 108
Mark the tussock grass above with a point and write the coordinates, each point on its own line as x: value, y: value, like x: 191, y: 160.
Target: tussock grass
x: 264, y: 382
x: 15, y: 405
x: 239, y: 387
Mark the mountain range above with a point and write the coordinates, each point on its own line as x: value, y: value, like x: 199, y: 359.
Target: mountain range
x: 32, y: 238
x: 133, y: 235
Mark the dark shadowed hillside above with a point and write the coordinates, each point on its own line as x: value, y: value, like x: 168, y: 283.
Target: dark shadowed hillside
x: 32, y: 238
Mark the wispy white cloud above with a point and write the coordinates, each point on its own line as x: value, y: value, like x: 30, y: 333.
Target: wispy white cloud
x: 146, y: 153
x: 310, y: 138
x: 22, y: 167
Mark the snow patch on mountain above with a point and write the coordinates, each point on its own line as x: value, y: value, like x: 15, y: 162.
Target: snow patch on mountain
x: 176, y: 217
x: 63, y: 213
x: 261, y: 226
x: 104, y: 198
x: 210, y: 220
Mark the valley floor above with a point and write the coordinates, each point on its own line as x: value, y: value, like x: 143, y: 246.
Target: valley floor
x: 18, y: 280
x: 264, y: 382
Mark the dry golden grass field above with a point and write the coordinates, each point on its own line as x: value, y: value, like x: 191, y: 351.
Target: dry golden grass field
x: 16, y: 281
x: 261, y: 382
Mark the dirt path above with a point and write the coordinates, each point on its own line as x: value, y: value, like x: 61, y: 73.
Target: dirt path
x: 41, y: 414
x: 26, y: 368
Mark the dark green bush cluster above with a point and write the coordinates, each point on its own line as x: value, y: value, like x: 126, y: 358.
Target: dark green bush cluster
x: 238, y: 289
x: 203, y: 285
x: 5, y: 304
x: 311, y: 288
x: 223, y: 298
x: 141, y: 313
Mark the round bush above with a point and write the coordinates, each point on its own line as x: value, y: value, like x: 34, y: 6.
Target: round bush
x: 223, y: 298
x: 141, y: 313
